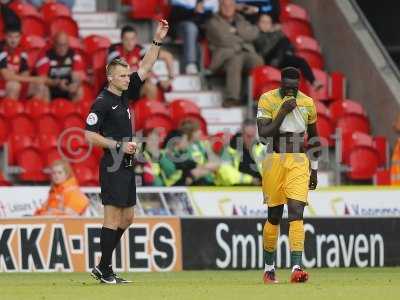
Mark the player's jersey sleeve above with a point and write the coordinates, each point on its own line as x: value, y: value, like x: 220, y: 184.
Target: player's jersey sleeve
x: 135, y: 84
x: 312, y: 114
x: 95, y: 119
x: 264, y: 109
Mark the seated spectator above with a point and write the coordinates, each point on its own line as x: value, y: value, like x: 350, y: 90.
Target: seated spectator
x: 14, y: 71
x: 64, y: 70
x: 198, y: 150
x: 277, y: 51
x: 39, y: 3
x: 65, y: 198
x: 133, y: 52
x: 189, y: 17
x: 230, y: 39
x: 177, y: 167
x: 228, y: 173
x: 245, y: 143
x: 151, y: 171
x: 395, y: 166
x: 251, y: 9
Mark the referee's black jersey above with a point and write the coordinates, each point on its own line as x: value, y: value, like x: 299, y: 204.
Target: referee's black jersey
x: 110, y: 115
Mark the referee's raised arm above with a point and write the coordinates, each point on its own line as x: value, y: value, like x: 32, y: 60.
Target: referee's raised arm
x: 152, y: 53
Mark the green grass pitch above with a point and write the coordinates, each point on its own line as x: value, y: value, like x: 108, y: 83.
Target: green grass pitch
x: 324, y: 284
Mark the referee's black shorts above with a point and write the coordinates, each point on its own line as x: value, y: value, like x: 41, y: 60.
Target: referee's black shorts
x: 118, y: 187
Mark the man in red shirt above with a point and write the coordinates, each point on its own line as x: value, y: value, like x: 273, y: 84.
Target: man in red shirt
x: 65, y: 69
x: 14, y: 71
x: 132, y: 52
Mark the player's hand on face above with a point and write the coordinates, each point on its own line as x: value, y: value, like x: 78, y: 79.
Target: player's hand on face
x: 313, y: 180
x: 161, y: 31
x: 129, y: 147
x: 289, y: 105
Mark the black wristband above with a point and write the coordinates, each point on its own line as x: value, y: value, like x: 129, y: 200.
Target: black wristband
x: 157, y: 43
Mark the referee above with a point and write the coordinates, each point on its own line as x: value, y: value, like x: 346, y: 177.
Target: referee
x: 108, y: 125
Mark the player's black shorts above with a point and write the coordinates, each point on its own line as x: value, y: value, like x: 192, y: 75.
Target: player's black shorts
x: 118, y: 188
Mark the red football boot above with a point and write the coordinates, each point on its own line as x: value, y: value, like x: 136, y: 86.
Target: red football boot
x: 298, y: 275
x: 269, y: 277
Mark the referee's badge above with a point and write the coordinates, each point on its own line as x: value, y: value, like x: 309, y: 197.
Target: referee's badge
x: 91, y: 119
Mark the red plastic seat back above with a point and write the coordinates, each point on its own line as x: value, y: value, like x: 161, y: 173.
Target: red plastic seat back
x: 64, y: 24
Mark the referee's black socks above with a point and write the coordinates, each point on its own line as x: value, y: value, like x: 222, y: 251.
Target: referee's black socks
x: 107, y: 242
x: 120, y: 232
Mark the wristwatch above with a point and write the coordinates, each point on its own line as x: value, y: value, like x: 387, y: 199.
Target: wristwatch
x: 158, y: 44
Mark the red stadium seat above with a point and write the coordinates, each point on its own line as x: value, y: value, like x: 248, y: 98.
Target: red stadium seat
x: 10, y: 108
x: 181, y: 110
x: 48, y: 125
x: 94, y: 42
x: 88, y: 94
x: 50, y: 155
x: 46, y: 142
x: 145, y: 10
x: 83, y: 108
x: 338, y: 86
x: 145, y: 108
x: 353, y: 140
x: 295, y: 20
x: 160, y: 122
x: 53, y: 10
x: 349, y: 116
x: 73, y: 121
x: 22, y: 125
x: 309, y: 49
x: 36, y: 108
x: 64, y: 24
x: 324, y: 125
x: 264, y: 78
x: 33, y: 26
x: 323, y: 93
x: 33, y: 46
x: 60, y: 108
x: 83, y: 174
x: 180, y: 107
x: 382, y: 146
x: 17, y: 143
x: 382, y: 177
x: 32, y: 166
x: 23, y: 9
x: 3, y: 131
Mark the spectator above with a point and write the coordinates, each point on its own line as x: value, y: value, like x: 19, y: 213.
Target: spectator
x: 14, y: 70
x: 228, y: 173
x: 277, y: 51
x: 253, y: 8
x: 65, y: 198
x: 199, y: 151
x: 151, y: 173
x: 177, y: 166
x: 395, y: 167
x: 230, y: 38
x: 132, y: 52
x: 189, y: 17
x: 64, y: 70
x: 245, y: 143
x: 8, y: 17
x: 39, y: 3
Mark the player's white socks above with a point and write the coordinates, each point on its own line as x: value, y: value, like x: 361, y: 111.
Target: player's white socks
x: 295, y: 267
x: 269, y: 268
